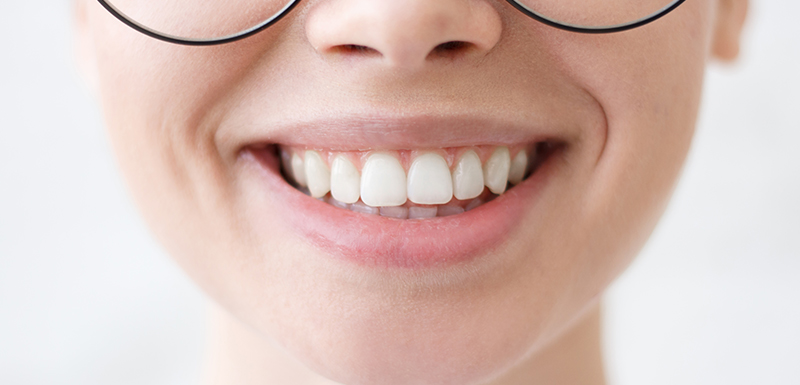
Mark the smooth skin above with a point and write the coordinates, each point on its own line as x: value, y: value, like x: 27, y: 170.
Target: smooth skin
x: 625, y: 105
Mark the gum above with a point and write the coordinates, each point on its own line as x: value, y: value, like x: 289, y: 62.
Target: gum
x: 451, y: 155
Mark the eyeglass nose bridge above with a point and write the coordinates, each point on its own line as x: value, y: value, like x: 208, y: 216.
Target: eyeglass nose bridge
x: 130, y: 22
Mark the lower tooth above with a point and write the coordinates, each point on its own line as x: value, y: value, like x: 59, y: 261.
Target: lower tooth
x: 421, y: 212
x: 446, y: 211
x: 475, y: 203
x: 394, y: 212
x: 337, y: 203
x: 362, y: 208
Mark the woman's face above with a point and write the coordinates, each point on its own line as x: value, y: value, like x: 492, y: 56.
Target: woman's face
x: 360, y: 298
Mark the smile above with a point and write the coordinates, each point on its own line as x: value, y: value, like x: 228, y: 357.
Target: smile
x: 411, y: 200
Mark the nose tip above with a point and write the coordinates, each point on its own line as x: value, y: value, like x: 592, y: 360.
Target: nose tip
x: 403, y: 33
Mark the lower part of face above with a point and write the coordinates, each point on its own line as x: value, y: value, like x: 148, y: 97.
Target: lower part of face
x: 203, y: 134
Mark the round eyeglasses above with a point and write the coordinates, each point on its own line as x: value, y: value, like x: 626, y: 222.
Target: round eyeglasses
x: 211, y: 22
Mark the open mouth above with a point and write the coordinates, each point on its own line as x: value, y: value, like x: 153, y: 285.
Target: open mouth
x: 413, y: 192
x: 405, y: 209
x: 410, y: 184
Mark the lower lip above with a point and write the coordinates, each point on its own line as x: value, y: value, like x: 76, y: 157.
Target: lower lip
x: 379, y: 242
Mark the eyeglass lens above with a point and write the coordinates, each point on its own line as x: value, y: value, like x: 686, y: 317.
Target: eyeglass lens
x: 215, y: 19
x: 200, y: 19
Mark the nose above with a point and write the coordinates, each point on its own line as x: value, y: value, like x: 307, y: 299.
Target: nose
x: 403, y: 33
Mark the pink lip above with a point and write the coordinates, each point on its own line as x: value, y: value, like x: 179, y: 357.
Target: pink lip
x: 375, y: 241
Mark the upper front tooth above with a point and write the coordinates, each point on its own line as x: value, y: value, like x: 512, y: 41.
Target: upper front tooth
x: 518, y: 167
x: 298, y: 170
x: 429, y: 180
x: 468, y: 176
x: 495, y: 171
x: 383, y: 181
x: 318, y: 176
x: 345, y: 180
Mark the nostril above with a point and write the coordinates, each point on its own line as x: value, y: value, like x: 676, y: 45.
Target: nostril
x: 354, y: 49
x: 451, y: 48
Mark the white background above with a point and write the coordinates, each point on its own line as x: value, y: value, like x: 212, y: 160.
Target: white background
x: 87, y: 297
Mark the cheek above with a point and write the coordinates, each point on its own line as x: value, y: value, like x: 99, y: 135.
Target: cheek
x: 161, y: 104
x: 648, y: 83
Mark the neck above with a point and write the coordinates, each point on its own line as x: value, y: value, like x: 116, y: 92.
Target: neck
x: 237, y: 355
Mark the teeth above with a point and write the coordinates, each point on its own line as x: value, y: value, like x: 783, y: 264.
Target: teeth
x: 318, y: 176
x: 446, y: 211
x: 475, y: 203
x: 298, y: 171
x: 518, y: 167
x: 495, y: 171
x: 337, y: 203
x: 468, y: 176
x: 421, y: 212
x: 345, y: 180
x: 429, y: 180
x: 383, y: 181
x: 360, y: 207
x: 382, y: 187
x: 395, y: 212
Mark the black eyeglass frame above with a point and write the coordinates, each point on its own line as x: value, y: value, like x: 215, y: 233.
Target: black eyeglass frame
x: 293, y: 3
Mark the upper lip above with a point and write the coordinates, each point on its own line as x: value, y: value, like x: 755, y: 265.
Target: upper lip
x: 349, y: 132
